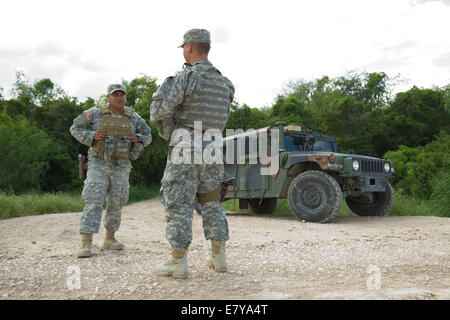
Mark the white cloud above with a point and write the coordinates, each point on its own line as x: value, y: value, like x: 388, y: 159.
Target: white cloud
x: 445, y: 2
x: 443, y: 61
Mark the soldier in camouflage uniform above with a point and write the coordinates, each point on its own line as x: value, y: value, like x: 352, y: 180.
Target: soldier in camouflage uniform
x: 115, y: 134
x: 197, y: 93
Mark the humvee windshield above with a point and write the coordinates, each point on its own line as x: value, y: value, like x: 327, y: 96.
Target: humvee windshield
x: 294, y: 143
x: 323, y: 146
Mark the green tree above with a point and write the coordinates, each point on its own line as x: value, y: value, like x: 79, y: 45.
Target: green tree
x: 245, y: 118
x: 25, y: 156
x: 22, y: 90
x: 290, y: 110
x: 55, y: 116
x: 446, y: 91
x: 2, y: 102
x: 139, y: 94
x: 349, y: 108
x: 415, y: 117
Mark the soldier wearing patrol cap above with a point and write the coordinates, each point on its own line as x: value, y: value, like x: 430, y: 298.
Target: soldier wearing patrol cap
x: 197, y: 93
x: 115, y: 134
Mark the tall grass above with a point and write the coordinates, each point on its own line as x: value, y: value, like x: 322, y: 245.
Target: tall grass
x: 408, y: 206
x: 12, y: 205
x: 140, y: 192
x: 34, y: 204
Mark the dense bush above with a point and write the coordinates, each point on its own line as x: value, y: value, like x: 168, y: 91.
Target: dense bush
x: 423, y: 172
x: 26, y: 153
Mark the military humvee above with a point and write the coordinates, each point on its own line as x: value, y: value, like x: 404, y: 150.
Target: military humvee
x: 312, y: 174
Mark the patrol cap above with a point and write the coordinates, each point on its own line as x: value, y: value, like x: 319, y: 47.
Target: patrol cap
x: 196, y: 35
x: 115, y: 87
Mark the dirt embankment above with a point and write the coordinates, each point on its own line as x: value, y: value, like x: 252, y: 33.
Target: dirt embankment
x: 269, y: 258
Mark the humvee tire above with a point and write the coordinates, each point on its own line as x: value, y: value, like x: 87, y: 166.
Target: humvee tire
x: 315, y: 196
x: 381, y: 205
x: 267, y: 205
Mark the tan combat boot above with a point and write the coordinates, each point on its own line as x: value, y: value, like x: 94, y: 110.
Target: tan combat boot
x: 176, y: 267
x: 86, y: 246
x: 111, y: 242
x: 218, y: 259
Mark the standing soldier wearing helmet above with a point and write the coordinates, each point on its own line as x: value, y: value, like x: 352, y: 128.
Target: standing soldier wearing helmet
x: 115, y: 134
x: 197, y: 93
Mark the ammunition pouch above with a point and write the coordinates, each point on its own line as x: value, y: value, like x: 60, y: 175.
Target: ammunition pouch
x: 203, y: 198
x: 119, y: 147
x: 117, y: 144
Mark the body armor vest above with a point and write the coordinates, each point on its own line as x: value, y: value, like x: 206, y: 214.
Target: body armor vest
x: 208, y: 102
x: 117, y: 145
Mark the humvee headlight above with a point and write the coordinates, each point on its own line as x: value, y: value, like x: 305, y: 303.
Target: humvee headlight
x: 355, y: 165
x: 387, y: 167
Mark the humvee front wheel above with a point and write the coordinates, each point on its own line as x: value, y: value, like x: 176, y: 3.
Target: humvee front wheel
x: 267, y: 205
x: 315, y: 196
x: 380, y: 204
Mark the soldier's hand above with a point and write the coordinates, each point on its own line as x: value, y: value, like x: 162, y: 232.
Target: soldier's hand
x: 133, y: 137
x: 100, y: 135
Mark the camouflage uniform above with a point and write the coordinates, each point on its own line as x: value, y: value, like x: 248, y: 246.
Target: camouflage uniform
x: 198, y: 92
x: 179, y: 186
x: 106, y: 176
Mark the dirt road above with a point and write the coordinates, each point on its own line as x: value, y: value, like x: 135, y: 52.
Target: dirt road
x: 269, y: 258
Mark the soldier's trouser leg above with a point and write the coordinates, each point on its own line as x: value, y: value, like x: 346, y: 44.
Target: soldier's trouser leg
x: 178, y: 187
x: 215, y: 225
x: 116, y: 197
x: 93, y: 195
x: 179, y: 226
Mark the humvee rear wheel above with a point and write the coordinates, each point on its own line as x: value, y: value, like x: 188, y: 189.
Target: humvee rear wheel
x: 315, y: 196
x: 267, y: 205
x: 380, y: 205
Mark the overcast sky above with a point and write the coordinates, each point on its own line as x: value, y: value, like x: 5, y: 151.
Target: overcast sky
x: 83, y: 46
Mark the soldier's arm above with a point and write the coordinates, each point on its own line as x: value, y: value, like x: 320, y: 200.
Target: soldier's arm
x: 81, y: 130
x: 171, y: 94
x: 143, y: 131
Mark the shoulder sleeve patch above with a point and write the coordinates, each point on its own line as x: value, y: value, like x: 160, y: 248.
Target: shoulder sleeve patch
x: 88, y: 115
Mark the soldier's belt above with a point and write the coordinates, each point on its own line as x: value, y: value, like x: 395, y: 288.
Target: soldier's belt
x: 209, y: 196
x: 114, y: 156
